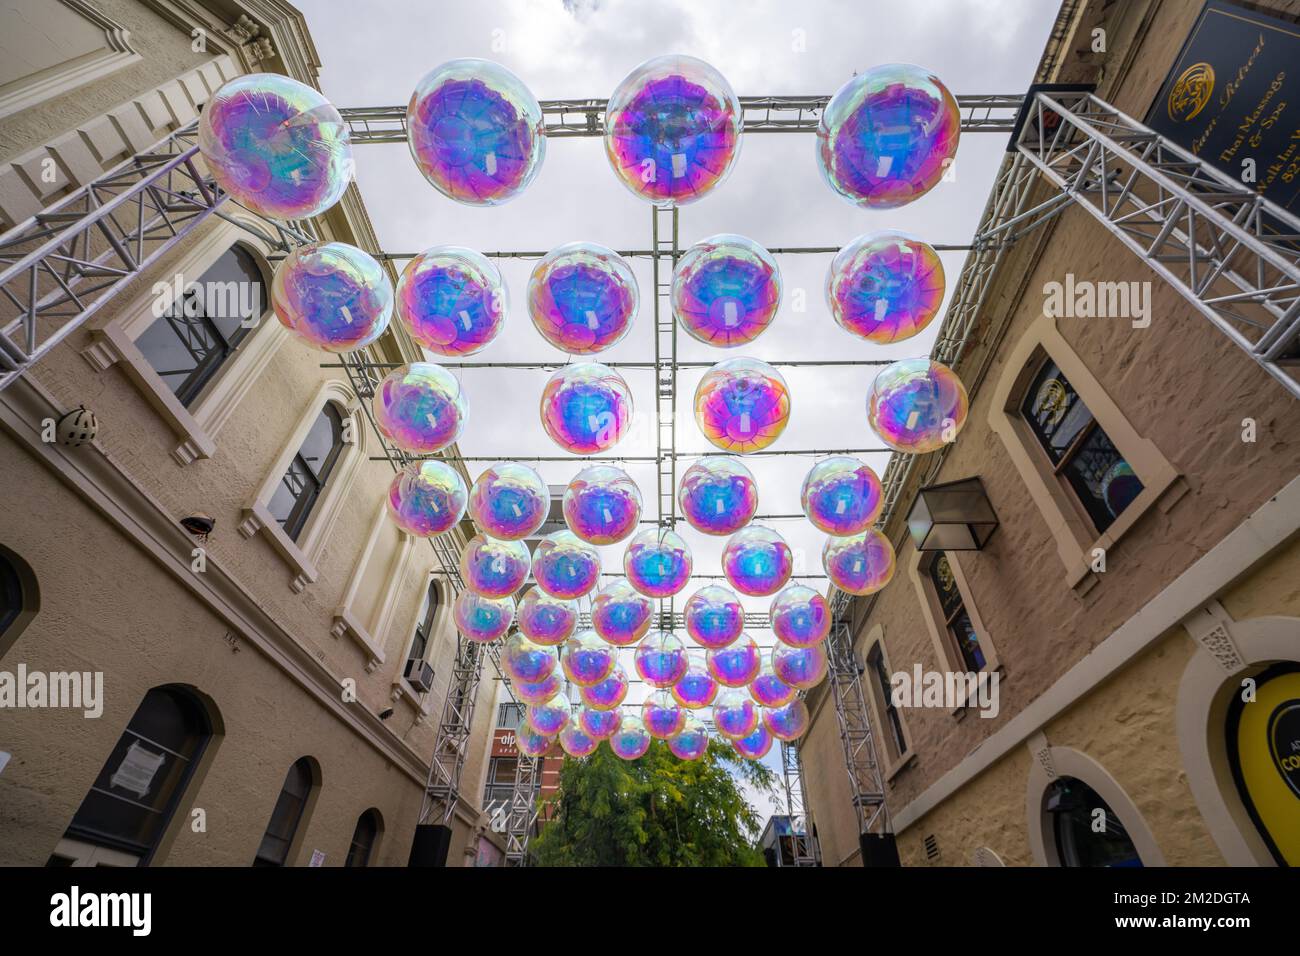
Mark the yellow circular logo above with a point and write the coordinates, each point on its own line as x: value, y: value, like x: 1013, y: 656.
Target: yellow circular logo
x: 946, y: 579
x: 1051, y: 401
x: 1191, y: 92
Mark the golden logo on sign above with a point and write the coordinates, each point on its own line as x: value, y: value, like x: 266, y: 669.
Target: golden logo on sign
x: 1191, y: 92
x: 946, y: 580
x: 1051, y: 401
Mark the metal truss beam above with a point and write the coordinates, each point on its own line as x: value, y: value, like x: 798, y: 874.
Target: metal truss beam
x: 803, y: 839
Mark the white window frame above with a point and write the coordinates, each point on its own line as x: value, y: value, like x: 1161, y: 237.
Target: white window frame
x: 368, y: 628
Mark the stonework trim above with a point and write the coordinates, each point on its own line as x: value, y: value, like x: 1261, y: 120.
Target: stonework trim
x: 1268, y: 528
x: 891, y: 763
x: 368, y: 630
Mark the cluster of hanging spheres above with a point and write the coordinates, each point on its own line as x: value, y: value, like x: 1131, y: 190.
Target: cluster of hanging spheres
x: 672, y: 135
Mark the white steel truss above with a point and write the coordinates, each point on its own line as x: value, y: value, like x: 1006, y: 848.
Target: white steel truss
x: 803, y: 838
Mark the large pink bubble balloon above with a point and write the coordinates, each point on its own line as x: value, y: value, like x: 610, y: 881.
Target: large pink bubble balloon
x: 551, y: 716
x: 621, y: 614
x: 803, y: 668
x: 532, y: 743
x: 718, y: 495
x: 482, y: 619
x: 420, y: 408
x: 726, y: 290
x: 630, y: 740
x: 842, y: 496
x: 602, y: 505
x: 658, y: 563
x: 787, y: 723
x: 757, y: 561
x: 565, y: 566
x: 862, y: 564
x: 800, y: 616
x: 332, y: 296
x: 540, y: 692
x: 661, y: 659
x: 452, y: 300
x: 696, y: 688
x: 742, y: 405
x: 607, y: 694
x: 662, y: 715
x: 586, y: 408
x: 714, y: 616
x: 509, y: 501
x: 494, y: 568
x: 736, y: 664
x: 600, y: 723
x: 691, y: 741
x: 546, y: 620
x: 754, y: 746
x: 735, y: 714
x: 885, y: 287
x: 576, y: 742
x: 527, y: 662
x: 427, y: 498
x: 769, y: 690
x: 587, y: 659
x: 582, y: 297
x: 917, y: 406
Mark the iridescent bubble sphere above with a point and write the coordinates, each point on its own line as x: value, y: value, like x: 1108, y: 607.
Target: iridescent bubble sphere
x: 754, y: 746
x: 427, y: 498
x: 420, y: 407
x: 531, y: 743
x: 696, y: 688
x: 587, y: 659
x: 736, y: 664
x: 800, y: 616
x: 582, y: 297
x: 757, y: 561
x: 607, y: 694
x: 714, y: 616
x: 718, y: 495
x: 661, y: 659
x: 742, y: 405
x: 621, y: 614
x: 480, y: 618
x: 540, y: 692
x: 726, y: 290
x: 276, y: 145
x: 888, y: 136
x: 527, y: 662
x: 862, y: 564
x: 475, y: 132
x: 842, y: 496
x: 550, y: 716
x: 576, y: 742
x: 586, y: 408
x: 885, y: 286
x: 735, y: 714
x: 917, y: 406
x: 787, y: 723
x: 658, y: 563
x: 546, y: 620
x: 803, y: 668
x: 602, y: 505
x: 769, y: 690
x: 494, y: 568
x: 630, y: 740
x: 332, y: 296
x: 662, y: 715
x: 509, y: 501
x: 452, y: 300
x: 600, y: 723
x: 691, y: 741
x: 564, y: 566
x: 672, y: 130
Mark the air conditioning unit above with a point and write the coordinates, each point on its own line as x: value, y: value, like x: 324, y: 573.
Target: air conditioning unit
x: 420, y: 673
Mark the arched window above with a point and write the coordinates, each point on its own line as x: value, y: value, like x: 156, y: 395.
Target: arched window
x: 288, y: 813
x: 132, y: 800
x: 1084, y: 836
x: 369, y: 825
x: 204, y: 326
x: 20, y: 598
x: 1263, y: 745
x: 308, y: 470
x: 424, y: 627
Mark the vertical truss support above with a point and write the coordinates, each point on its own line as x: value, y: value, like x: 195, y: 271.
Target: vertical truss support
x: 665, y: 254
x: 521, y: 815
x: 802, y: 838
x: 865, y: 783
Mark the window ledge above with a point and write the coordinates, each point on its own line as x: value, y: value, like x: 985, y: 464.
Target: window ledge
x: 963, y: 705
x: 899, y: 765
x: 345, y: 625
x: 403, y: 691
x: 258, y: 519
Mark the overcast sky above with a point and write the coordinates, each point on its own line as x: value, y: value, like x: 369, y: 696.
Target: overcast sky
x: 375, y: 52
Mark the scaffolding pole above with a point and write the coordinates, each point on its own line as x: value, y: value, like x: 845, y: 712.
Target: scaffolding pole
x: 803, y: 837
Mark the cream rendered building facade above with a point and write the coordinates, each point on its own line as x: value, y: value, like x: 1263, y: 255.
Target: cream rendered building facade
x: 283, y: 652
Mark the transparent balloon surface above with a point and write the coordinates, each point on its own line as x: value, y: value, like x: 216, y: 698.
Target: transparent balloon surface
x: 576, y: 741
x: 888, y: 136
x: 276, y: 145
x: 480, y: 618
x: 714, y: 616
x: 587, y: 659
x: 658, y: 563
x: 532, y: 743
x: 600, y: 723
x: 509, y: 501
x: 885, y: 287
x: 742, y: 405
x: 544, y: 619
x: 662, y: 715
x: 735, y: 714
x: 769, y: 690
x: 861, y: 564
x: 420, y: 407
x: 800, y: 616
x: 736, y: 664
x: 602, y: 504
x: 726, y: 290
x: 696, y: 688
x: 691, y: 741
x: 842, y: 496
x: 917, y: 406
x: 803, y: 668
x: 582, y: 297
x: 427, y: 498
x: 332, y: 296
x: 631, y: 740
x: 608, y: 693
x: 452, y: 300
x: 787, y: 723
x: 754, y: 746
x: 621, y: 614
x: 475, y: 132
x: 494, y: 568
x: 565, y: 566
x: 672, y: 130
x: 526, y: 661
x: 551, y: 716
x: 757, y: 561
x: 661, y: 659
x: 586, y: 408
x: 541, y: 691
x: 718, y: 495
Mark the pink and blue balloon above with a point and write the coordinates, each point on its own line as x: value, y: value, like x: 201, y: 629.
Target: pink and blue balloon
x: 587, y: 659
x: 755, y: 745
x: 769, y: 690
x: 800, y: 616
x: 789, y: 722
x: 602, y: 505
x: 452, y: 300
x: 546, y: 620
x: 420, y: 408
x: 621, y: 614
x: 757, y: 561
x: 427, y: 498
x: 551, y: 716
x: 726, y: 290
x: 661, y: 659
x: 608, y: 693
x: 586, y: 408
x: 885, y: 287
x: 842, y: 496
x: 718, y: 495
x: 658, y: 563
x: 696, y: 688
x: 509, y: 501
x: 532, y: 743
x: 582, y: 298
x: 735, y: 714
x: 600, y: 723
x: 714, y: 616
x: 332, y: 296
x: 630, y: 740
x: 736, y: 664
x: 861, y: 564
x: 917, y: 406
x: 691, y: 741
x: 662, y: 715
x: 482, y: 619
x: 576, y: 742
x: 541, y: 691
x: 527, y: 662
x: 564, y: 566
x: 802, y: 668
x: 742, y: 405
x: 494, y: 568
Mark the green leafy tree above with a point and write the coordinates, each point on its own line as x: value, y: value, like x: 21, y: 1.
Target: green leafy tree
x: 654, y: 811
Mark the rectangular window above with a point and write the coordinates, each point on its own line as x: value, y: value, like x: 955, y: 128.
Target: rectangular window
x: 510, y: 716
x: 876, y: 662
x: 1078, y: 448
x: 956, y: 619
x: 305, y: 478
